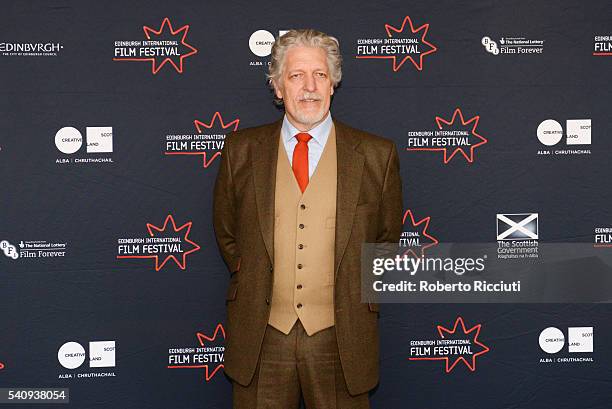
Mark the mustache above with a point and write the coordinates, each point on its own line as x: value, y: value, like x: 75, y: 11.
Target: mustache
x: 310, y: 95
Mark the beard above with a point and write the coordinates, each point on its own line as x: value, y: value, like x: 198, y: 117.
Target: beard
x: 309, y: 117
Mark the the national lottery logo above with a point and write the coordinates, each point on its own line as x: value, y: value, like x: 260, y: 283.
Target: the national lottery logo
x: 208, y: 354
x: 207, y: 142
x: 560, y: 349
x: 406, y: 43
x: 454, y: 137
x: 163, y: 244
x: 415, y: 238
x: 512, y: 45
x: 453, y: 346
x: 33, y: 249
x: 165, y: 46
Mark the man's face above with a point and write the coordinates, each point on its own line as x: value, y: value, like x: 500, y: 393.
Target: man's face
x: 305, y: 86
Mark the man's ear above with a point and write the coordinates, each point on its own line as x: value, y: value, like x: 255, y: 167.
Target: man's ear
x: 277, y: 90
x: 332, y: 90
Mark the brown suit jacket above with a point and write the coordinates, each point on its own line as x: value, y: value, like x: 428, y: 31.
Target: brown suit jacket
x: 369, y: 209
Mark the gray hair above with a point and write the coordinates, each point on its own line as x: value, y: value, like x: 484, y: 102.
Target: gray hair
x: 308, y: 38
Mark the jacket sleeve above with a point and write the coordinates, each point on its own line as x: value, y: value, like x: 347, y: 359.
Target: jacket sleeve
x: 390, y: 216
x: 224, y: 211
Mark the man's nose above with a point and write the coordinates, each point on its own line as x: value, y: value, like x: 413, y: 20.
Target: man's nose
x: 310, y: 84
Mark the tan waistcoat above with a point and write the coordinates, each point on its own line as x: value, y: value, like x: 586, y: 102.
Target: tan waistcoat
x: 304, y: 239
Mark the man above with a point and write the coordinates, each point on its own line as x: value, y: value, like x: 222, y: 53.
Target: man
x: 293, y: 202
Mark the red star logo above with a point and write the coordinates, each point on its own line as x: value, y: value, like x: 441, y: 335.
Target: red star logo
x: 201, y: 126
x: 473, y: 122
x: 403, y: 57
x: 423, y: 232
x: 155, y: 65
x: 474, y: 331
x: 202, y: 338
x: 186, y: 228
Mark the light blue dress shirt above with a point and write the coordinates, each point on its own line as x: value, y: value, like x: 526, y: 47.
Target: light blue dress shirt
x: 319, y: 134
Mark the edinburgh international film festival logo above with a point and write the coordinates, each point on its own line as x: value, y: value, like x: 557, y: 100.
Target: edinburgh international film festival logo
x: 602, y: 46
x: 416, y: 238
x: 164, y: 46
x: 403, y: 44
x: 453, y: 345
x: 207, y: 354
x: 602, y: 237
x: 163, y: 244
x: 455, y: 137
x: 207, y: 142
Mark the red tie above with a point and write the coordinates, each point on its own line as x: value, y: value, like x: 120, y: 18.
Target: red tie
x: 300, y: 160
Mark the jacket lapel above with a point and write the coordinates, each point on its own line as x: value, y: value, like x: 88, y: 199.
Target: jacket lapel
x: 264, y: 155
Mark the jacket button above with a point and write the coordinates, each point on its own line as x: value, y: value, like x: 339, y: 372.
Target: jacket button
x: 301, y: 226
x: 267, y: 301
x: 300, y: 266
x: 299, y: 305
x: 271, y: 269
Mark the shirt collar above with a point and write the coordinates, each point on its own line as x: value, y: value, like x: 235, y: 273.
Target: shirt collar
x: 319, y: 133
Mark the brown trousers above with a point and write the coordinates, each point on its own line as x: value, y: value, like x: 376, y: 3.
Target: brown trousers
x: 297, y: 364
